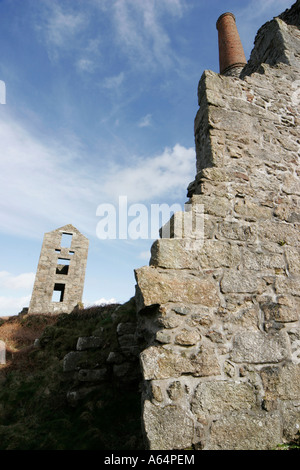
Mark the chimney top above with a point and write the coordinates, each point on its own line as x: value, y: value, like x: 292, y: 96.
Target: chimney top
x: 231, y: 52
x: 222, y: 16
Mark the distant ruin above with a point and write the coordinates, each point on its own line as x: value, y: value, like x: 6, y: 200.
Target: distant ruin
x: 59, y: 280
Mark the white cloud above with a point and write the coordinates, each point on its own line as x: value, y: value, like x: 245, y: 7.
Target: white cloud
x: 141, y: 33
x: 60, y: 26
x: 253, y: 15
x: 41, y: 188
x: 155, y: 176
x: 257, y: 8
x: 64, y: 28
x: 45, y: 184
x: 136, y: 28
x: 145, y: 121
x: 18, y: 282
x: 12, y: 305
x: 111, y: 83
x: 85, y: 65
x: 100, y: 302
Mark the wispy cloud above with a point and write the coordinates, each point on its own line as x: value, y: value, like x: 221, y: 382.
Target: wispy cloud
x: 253, y: 15
x: 60, y: 26
x: 155, y: 176
x: 141, y: 33
x: 13, y: 305
x: 17, y: 291
x: 20, y: 281
x: 85, y: 65
x: 257, y: 8
x: 146, y: 121
x: 111, y: 83
x: 49, y: 184
x: 66, y: 30
x: 54, y: 183
x: 63, y: 26
x: 137, y: 28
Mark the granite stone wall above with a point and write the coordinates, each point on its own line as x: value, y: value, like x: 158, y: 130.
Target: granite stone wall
x: 220, y: 321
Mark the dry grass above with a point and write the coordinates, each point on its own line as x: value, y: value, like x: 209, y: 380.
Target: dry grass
x: 19, y: 333
x: 35, y: 413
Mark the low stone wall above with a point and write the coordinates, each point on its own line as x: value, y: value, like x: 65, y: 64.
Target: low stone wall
x: 86, y: 370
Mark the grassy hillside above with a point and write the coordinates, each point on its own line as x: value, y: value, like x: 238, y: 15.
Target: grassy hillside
x: 35, y: 413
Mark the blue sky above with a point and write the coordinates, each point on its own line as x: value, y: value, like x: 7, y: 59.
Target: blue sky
x: 101, y: 97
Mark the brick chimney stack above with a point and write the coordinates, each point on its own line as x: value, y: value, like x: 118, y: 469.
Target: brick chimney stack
x: 231, y: 53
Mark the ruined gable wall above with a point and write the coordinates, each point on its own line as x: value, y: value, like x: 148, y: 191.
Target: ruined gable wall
x: 50, y: 273
x: 220, y: 324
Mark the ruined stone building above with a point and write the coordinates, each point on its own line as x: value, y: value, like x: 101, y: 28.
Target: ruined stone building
x: 216, y: 337
x: 60, y: 274
x: 220, y: 323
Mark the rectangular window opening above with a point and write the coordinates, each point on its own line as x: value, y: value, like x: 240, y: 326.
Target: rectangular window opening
x: 58, y: 293
x: 66, y: 239
x: 62, y: 266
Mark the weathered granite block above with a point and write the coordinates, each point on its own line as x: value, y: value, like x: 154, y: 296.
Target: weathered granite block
x: 173, y: 254
x: 160, y: 363
x: 281, y: 382
x: 205, y: 363
x: 187, y: 337
x: 216, y: 398
x: 259, y: 348
x: 285, y: 310
x: 239, y: 281
x: 92, y: 375
x: 89, y: 342
x: 168, y: 427
x: 288, y: 285
x: 240, y: 431
x: 73, y: 360
x: 157, y: 286
x: 291, y: 421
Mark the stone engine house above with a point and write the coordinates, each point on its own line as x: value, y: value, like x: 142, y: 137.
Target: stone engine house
x: 220, y: 324
x: 59, y: 280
